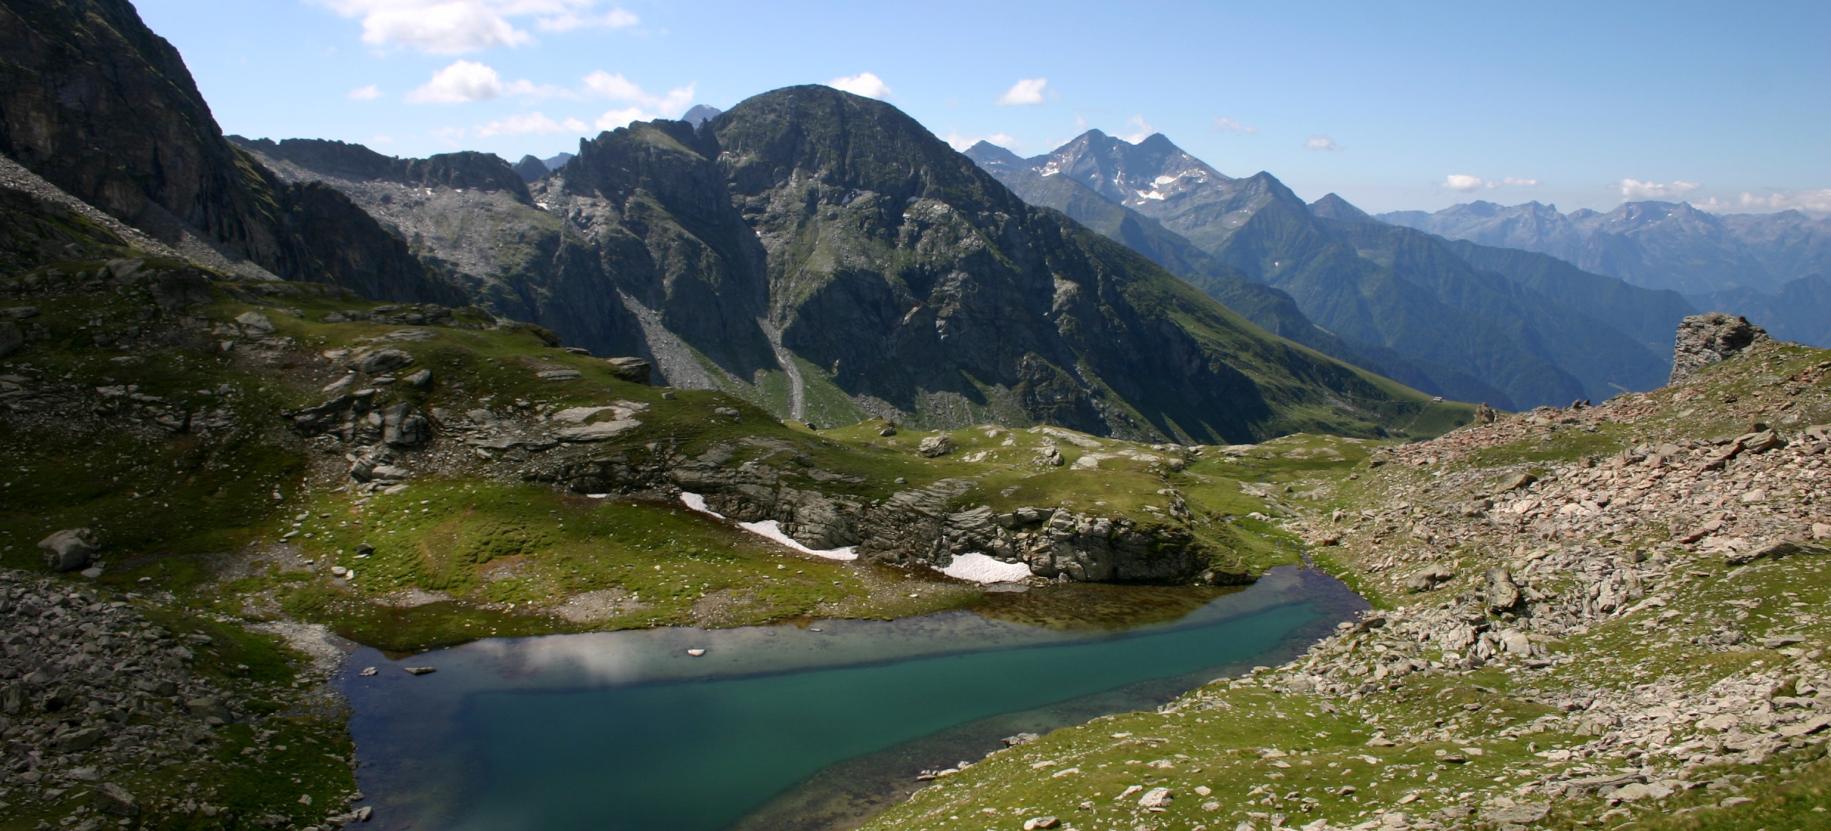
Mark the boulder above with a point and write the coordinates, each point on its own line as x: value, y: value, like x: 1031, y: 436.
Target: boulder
x: 403, y: 427
x: 1428, y: 578
x: 254, y: 323
x: 1156, y: 798
x: 71, y: 549
x: 383, y: 360
x: 633, y: 370
x: 1503, y: 594
x: 1708, y: 338
x: 935, y: 446
x: 114, y: 799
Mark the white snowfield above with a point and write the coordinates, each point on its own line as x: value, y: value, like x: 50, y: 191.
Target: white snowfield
x: 980, y: 568
x: 768, y: 528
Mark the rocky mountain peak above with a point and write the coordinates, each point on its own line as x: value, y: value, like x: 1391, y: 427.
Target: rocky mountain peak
x: 1332, y: 206
x: 700, y: 114
x: 531, y: 168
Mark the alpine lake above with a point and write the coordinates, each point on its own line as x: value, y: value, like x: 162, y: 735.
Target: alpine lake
x: 810, y: 725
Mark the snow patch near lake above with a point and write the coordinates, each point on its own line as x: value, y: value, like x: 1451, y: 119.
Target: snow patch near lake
x: 768, y: 528
x: 980, y: 568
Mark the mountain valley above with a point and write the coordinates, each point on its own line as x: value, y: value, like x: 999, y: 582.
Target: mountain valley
x: 781, y: 467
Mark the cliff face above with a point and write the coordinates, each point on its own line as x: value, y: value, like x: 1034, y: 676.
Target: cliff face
x: 98, y: 105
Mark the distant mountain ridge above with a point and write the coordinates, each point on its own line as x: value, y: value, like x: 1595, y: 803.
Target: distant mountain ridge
x: 827, y: 255
x: 1764, y: 265
x: 1407, y: 304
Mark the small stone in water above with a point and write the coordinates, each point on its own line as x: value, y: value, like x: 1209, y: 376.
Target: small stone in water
x: 696, y: 652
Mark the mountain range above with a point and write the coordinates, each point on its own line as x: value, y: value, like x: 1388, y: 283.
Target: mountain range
x: 826, y: 255
x: 1473, y: 323
x: 1773, y: 267
x: 817, y: 252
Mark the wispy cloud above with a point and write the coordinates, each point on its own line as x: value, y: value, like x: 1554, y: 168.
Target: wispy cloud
x: 531, y: 124
x: 866, y: 84
x: 1812, y: 200
x: 1321, y: 143
x: 1141, y: 129
x: 568, y: 21
x: 369, y: 92
x: 451, y: 27
x: 465, y: 81
x: 1634, y: 189
x: 1464, y: 182
x: 1228, y: 125
x: 640, y: 104
x: 1026, y: 91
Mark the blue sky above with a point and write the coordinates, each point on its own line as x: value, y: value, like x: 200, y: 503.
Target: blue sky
x: 1393, y: 105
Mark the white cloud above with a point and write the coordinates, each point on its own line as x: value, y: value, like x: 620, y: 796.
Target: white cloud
x: 624, y: 117
x: 450, y: 27
x: 464, y: 81
x: 1141, y: 129
x: 531, y: 124
x: 1228, y: 125
x: 1635, y: 189
x: 643, y: 105
x: 1463, y: 182
x: 1320, y: 143
x: 1810, y: 200
x: 568, y: 21
x: 961, y: 142
x: 449, y: 136
x: 1026, y: 91
x: 369, y: 92
x: 866, y: 84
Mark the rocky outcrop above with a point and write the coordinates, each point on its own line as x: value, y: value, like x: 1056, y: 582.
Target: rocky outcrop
x: 97, y: 104
x: 1708, y: 338
x: 917, y: 526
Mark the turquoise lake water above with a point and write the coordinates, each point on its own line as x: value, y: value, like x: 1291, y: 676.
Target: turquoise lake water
x: 780, y: 727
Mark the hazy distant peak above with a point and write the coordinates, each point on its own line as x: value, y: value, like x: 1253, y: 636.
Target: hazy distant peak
x: 1332, y: 206
x: 700, y: 114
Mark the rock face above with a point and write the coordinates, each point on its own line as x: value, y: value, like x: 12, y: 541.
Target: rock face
x: 1708, y: 338
x: 105, y: 109
x: 633, y: 370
